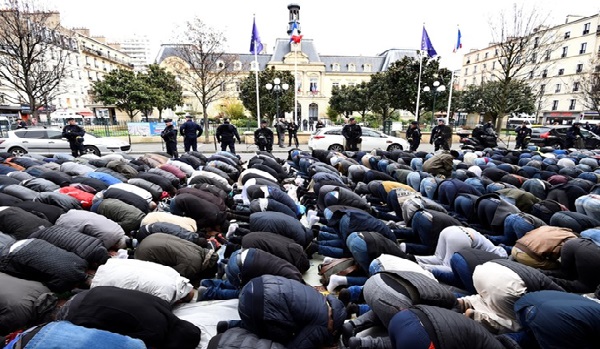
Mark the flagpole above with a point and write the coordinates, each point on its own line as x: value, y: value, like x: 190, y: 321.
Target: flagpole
x: 450, y: 97
x: 256, y: 72
x: 419, y: 85
x: 296, y: 86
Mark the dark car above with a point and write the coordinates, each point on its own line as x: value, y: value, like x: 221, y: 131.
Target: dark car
x: 556, y: 137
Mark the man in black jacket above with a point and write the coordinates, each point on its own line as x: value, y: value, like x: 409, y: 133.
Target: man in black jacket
x: 574, y: 137
x: 352, y: 133
x: 522, y: 133
x: 226, y: 135
x: 293, y: 133
x: 74, y: 134
x: 263, y: 137
x: 169, y: 135
x: 441, y: 136
x: 280, y: 127
x: 190, y: 131
x: 413, y: 135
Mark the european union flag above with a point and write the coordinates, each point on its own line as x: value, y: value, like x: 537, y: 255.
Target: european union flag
x: 256, y: 46
x: 426, y: 44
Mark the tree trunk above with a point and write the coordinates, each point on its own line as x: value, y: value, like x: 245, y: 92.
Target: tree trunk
x: 160, y: 115
x: 206, y: 137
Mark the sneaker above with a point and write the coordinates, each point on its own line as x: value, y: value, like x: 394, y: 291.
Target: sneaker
x: 344, y: 296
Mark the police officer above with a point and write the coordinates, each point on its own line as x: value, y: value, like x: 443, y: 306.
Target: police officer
x: 226, y: 135
x: 293, y: 133
x: 413, y: 135
x: 190, y: 131
x: 280, y: 127
x: 574, y: 136
x: 441, y: 136
x: 522, y: 133
x: 263, y: 137
x: 74, y: 134
x: 169, y: 135
x: 352, y: 133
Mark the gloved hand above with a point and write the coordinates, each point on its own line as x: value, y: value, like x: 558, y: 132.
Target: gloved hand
x: 239, y: 141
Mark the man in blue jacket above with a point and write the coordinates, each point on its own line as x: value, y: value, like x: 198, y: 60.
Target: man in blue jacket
x: 190, y: 131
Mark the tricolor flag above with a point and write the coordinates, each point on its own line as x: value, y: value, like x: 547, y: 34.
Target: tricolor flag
x: 426, y: 44
x: 458, y: 42
x: 256, y: 46
x: 296, y: 37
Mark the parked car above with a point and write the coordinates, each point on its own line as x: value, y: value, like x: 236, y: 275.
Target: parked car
x: 331, y: 138
x: 48, y: 141
x: 556, y: 136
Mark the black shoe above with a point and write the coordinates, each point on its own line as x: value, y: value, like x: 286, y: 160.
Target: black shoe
x: 344, y: 296
x: 311, y: 249
x: 222, y: 326
x: 347, y: 332
x: 351, y: 309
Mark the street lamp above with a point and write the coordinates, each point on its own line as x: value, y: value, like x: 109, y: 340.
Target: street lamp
x: 436, y: 89
x: 277, y: 88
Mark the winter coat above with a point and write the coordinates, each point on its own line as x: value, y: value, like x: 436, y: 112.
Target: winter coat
x: 579, y: 263
x: 40, y: 184
x: 39, y: 260
x: 134, y: 314
x: 205, y: 213
x: 84, y: 198
x: 154, y: 178
x: 20, y: 192
x: 19, y: 223
x: 148, y: 277
x: 187, y: 258
x: 95, y: 183
x: 167, y: 228
x: 76, y: 169
x: 23, y: 303
x: 533, y: 278
x: 166, y: 174
x: 255, y: 173
x: 205, y: 195
x: 239, y: 338
x: 121, y: 167
x: 112, y: 173
x: 164, y: 217
x: 280, y: 246
x: 127, y: 216
x: 106, y: 178
x: 281, y: 224
x: 271, y: 192
x: 87, y: 247
x: 8, y: 200
x: 93, y: 224
x: 126, y: 197
x: 182, y: 166
x: 245, y: 265
x: 45, y: 211
x: 64, y: 201
x: 292, y: 313
x: 154, y: 189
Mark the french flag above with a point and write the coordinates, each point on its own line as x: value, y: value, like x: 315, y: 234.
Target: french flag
x: 458, y: 42
x: 296, y: 37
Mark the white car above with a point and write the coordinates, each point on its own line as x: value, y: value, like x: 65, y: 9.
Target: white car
x: 50, y: 141
x: 331, y: 138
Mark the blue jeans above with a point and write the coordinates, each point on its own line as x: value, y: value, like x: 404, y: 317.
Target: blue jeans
x: 462, y: 274
x: 416, y: 164
x: 358, y: 247
x: 515, y: 227
x: 422, y: 226
x: 414, y: 180
x: 588, y: 205
x: 428, y: 187
x: 476, y: 183
x: 465, y: 206
x: 536, y: 187
x: 218, y: 289
x: 330, y: 245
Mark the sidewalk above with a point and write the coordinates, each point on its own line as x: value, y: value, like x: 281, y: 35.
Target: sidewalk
x: 139, y: 148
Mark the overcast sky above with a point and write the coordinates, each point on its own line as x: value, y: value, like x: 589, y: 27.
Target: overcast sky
x: 349, y: 27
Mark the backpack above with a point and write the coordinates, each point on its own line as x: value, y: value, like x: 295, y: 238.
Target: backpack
x: 340, y: 266
x: 542, y: 246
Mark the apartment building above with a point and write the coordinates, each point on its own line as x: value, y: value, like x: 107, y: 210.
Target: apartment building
x: 137, y: 48
x: 560, y: 66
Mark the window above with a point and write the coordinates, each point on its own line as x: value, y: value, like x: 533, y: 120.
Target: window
x: 335, y: 67
x: 555, y: 104
x: 77, y: 60
x: 542, y: 88
x: 466, y: 71
x: 335, y: 85
x: 474, y: 69
x: 567, y: 35
x: 351, y: 67
x: 313, y: 87
x: 253, y: 65
x: 465, y: 82
x: 237, y: 65
x: 572, y: 104
x: 518, y: 60
x: 583, y: 48
x: 564, y: 52
x: 222, y: 87
x: 531, y: 74
x: 493, y: 65
x: 547, y: 56
x: 545, y: 73
x: 477, y: 58
x: 533, y: 57
x: 484, y: 66
x: 561, y: 71
x: 579, y: 68
x: 557, y: 89
x: 586, y: 28
x: 366, y: 67
x: 486, y: 55
x: 536, y: 42
x: 496, y: 52
x: 576, y: 86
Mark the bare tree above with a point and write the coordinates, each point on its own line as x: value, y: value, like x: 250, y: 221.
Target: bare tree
x: 523, y: 45
x: 208, y: 69
x: 34, y: 53
x: 590, y: 86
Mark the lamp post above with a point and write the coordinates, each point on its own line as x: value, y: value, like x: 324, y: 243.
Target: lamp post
x: 277, y: 88
x: 437, y: 87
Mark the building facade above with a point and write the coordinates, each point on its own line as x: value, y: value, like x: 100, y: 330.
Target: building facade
x: 316, y: 74
x: 138, y: 49
x: 556, y: 77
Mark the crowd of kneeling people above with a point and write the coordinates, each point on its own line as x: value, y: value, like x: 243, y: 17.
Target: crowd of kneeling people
x: 490, y: 249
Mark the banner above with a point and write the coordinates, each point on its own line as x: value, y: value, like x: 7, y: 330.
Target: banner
x: 147, y: 128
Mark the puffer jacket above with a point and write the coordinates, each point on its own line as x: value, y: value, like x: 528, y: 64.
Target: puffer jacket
x: 167, y: 228
x: 20, y: 192
x: 534, y: 279
x: 127, y: 216
x: 271, y: 192
x: 19, y: 223
x: 168, y: 175
x: 114, y: 174
x: 75, y: 168
x: 45, y: 211
x: 210, y: 178
x: 95, y: 183
x: 40, y: 184
x: 59, y: 178
x: 187, y: 258
x: 87, y: 247
x: 254, y: 173
x: 186, y: 223
x: 185, y: 168
x: 245, y: 265
x: 280, y: 246
x: 64, y: 201
x: 121, y: 167
x: 85, y: 198
x: 281, y: 224
x: 126, y: 197
x: 205, y: 195
x: 6, y: 242
x: 8, y: 200
x: 154, y: 189
x: 154, y: 178
x: 205, y: 213
x: 142, y: 193
x: 106, y: 178
x: 39, y: 260
x: 23, y: 303
x: 93, y: 224
x: 239, y: 338
x: 174, y: 170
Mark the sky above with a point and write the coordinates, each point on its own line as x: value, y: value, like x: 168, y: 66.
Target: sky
x: 337, y: 27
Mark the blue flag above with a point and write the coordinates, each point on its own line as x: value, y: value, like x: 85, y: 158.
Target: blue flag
x: 426, y: 44
x: 256, y: 46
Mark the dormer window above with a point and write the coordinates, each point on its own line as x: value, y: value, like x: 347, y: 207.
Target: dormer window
x: 335, y: 67
x: 351, y: 67
x: 367, y: 68
x: 237, y: 65
x: 220, y: 65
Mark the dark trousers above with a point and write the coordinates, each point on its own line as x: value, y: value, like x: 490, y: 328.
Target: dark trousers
x: 230, y: 144
x: 172, y: 149
x: 77, y: 148
x: 281, y: 138
x: 265, y: 147
x: 441, y: 143
x: 415, y: 144
x: 293, y: 136
x: 189, y: 142
x: 352, y: 144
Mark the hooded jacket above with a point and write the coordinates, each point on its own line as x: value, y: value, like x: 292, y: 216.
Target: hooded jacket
x: 127, y: 216
x: 280, y: 246
x: 245, y: 265
x: 281, y: 224
x: 87, y: 247
x: 19, y: 223
x: 93, y: 224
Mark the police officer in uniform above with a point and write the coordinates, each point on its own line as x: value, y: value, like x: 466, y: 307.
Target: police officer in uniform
x: 169, y: 135
x: 74, y: 134
x: 352, y: 133
x: 226, y: 135
x: 263, y: 137
x: 413, y: 135
x: 190, y: 131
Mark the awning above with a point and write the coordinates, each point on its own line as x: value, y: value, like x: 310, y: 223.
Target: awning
x: 85, y: 113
